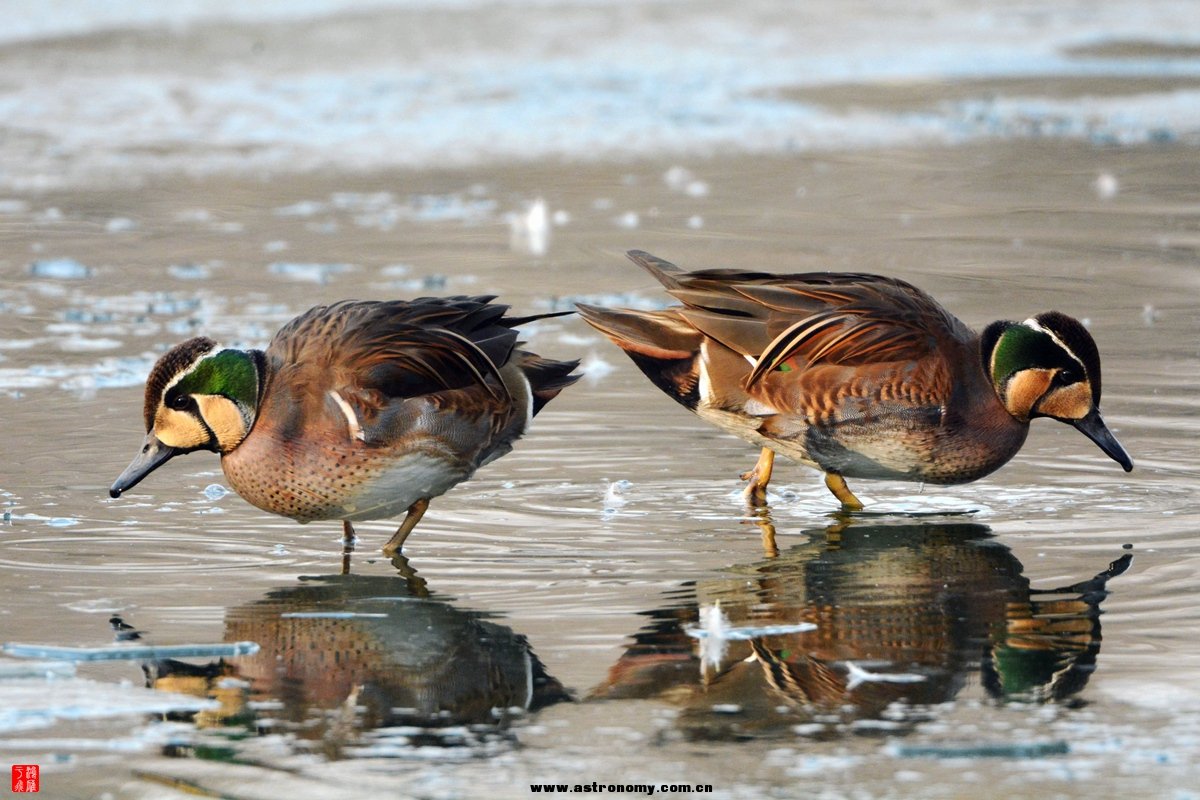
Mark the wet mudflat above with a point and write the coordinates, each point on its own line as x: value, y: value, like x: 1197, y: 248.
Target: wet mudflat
x: 553, y: 622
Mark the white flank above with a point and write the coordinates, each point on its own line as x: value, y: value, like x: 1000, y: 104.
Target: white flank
x: 758, y: 408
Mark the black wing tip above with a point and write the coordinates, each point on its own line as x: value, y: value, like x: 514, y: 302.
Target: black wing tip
x: 516, y: 322
x: 547, y: 377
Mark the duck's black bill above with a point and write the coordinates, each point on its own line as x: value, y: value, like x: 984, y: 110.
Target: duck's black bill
x: 152, y: 456
x: 1093, y: 427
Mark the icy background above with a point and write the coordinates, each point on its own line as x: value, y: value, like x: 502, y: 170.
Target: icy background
x: 116, y: 90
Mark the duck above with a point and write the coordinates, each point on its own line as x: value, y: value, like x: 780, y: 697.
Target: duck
x: 357, y: 410
x: 857, y: 375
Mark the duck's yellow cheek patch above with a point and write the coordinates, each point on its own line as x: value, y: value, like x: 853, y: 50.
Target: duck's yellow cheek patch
x: 223, y: 417
x: 179, y: 429
x: 1024, y: 389
x: 1069, y: 402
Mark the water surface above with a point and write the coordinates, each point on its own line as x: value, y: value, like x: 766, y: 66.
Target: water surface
x: 1034, y: 633
x: 620, y: 511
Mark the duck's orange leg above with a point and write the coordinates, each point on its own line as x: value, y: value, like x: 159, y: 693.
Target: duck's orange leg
x: 759, y: 477
x: 347, y: 545
x: 837, y: 484
x: 415, y: 512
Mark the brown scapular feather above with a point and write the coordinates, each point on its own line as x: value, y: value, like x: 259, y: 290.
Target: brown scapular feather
x: 809, y: 318
x: 406, y: 348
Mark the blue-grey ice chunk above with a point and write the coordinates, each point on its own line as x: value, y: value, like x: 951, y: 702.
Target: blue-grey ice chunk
x: 983, y: 750
x: 127, y: 653
x: 63, y: 269
x: 215, y: 491
x: 87, y: 316
x: 333, y: 615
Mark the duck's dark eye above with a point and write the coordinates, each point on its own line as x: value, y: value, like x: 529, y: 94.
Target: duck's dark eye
x: 179, y: 402
x: 1066, y: 377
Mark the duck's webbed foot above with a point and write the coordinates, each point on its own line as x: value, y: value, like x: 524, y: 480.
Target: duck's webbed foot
x: 837, y: 484
x: 759, y: 477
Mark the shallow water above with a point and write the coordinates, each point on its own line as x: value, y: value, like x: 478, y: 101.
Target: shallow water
x: 594, y: 546
x: 559, y: 618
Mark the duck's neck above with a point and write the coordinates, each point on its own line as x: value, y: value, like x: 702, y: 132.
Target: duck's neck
x: 230, y: 407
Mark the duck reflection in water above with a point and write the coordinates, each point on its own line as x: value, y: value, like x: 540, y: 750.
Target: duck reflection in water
x: 359, y: 664
x: 905, y: 616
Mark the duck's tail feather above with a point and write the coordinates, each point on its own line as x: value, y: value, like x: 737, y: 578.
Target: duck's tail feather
x: 662, y: 344
x: 546, y: 377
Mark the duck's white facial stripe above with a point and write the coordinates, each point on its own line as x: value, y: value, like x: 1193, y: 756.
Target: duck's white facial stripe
x: 1037, y: 326
x: 184, y: 373
x: 351, y: 418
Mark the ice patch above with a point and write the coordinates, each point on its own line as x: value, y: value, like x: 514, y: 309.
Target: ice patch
x: 82, y: 344
x: 30, y: 703
x: 108, y: 373
x: 120, y: 225
x: 99, y: 605
x: 383, y: 210
x: 305, y: 208
x: 189, y: 272
x: 614, y: 496
x: 11, y: 670
x: 310, y: 273
x: 1006, y: 750
x: 594, y: 367
x: 129, y: 652
x: 333, y: 615
x: 215, y: 491
x: 62, y: 269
